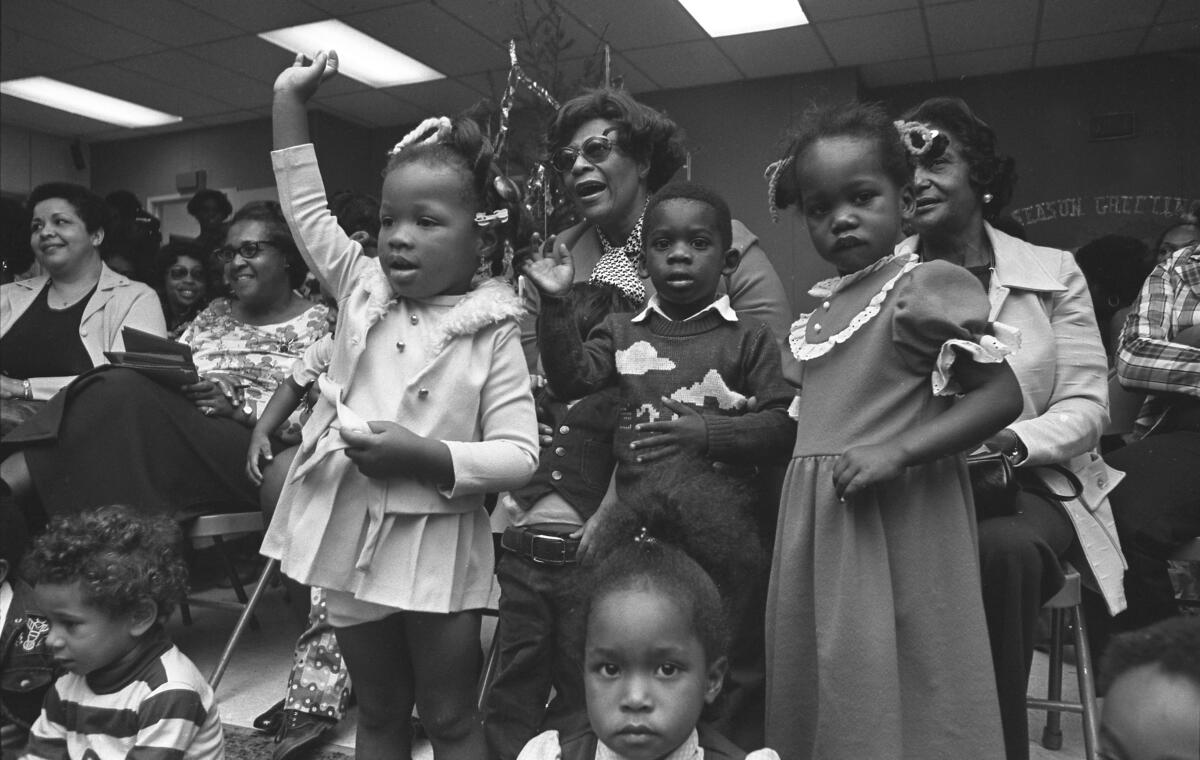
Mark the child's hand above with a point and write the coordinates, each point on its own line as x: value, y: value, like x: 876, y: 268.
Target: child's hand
x: 304, y: 76
x: 260, y: 451
x: 550, y: 267
x: 687, y: 432
x: 387, y: 451
x: 864, y: 466
x: 587, y: 536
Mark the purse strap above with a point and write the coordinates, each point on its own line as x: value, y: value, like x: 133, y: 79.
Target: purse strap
x: 1072, y: 480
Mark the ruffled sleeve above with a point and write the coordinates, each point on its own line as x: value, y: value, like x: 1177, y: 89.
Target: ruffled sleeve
x: 544, y: 746
x: 940, y: 316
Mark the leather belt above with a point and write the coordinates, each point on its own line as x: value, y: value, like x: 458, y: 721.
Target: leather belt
x: 541, y: 547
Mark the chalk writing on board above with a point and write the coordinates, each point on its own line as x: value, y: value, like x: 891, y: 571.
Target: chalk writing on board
x: 1104, y: 205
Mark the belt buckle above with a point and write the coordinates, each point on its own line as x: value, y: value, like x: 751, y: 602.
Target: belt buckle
x: 557, y: 541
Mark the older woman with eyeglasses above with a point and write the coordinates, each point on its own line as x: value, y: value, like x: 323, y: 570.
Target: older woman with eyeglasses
x: 116, y: 436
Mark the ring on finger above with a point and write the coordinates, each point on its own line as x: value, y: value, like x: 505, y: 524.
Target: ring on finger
x: 209, y: 411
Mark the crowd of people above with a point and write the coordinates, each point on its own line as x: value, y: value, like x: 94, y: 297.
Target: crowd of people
x: 721, y: 529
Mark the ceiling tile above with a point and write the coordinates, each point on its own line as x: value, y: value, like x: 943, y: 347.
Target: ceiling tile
x: 1178, y: 10
x: 190, y: 74
x: 260, y: 15
x: 982, y: 62
x: 630, y: 24
x: 442, y: 97
x: 896, y: 72
x: 433, y: 37
x: 686, y: 64
x: 874, y: 39
x: 498, y: 21
x: 66, y: 28
x: 22, y: 55
x: 632, y: 78
x: 373, y: 108
x: 828, y: 10
x: 49, y: 120
x: 169, y: 22
x: 343, y: 8
x: 1171, y: 37
x: 1072, y: 18
x: 112, y: 79
x: 779, y: 51
x: 1092, y: 48
x: 976, y: 24
x: 262, y: 61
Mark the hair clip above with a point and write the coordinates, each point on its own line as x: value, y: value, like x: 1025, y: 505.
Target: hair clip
x: 499, y: 216
x: 643, y: 537
x: 920, y: 139
x: 771, y: 175
x: 429, y: 132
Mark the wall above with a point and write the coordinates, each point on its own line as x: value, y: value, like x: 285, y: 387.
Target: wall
x: 1070, y: 189
x: 27, y: 159
x: 734, y: 130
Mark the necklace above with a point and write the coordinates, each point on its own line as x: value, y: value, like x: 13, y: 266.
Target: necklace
x: 616, y: 267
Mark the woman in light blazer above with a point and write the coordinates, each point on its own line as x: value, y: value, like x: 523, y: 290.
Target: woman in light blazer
x: 960, y: 183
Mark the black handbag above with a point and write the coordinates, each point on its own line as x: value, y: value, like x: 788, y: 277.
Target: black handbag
x: 995, y: 484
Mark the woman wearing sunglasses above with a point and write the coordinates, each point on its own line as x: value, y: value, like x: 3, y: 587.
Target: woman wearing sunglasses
x: 610, y: 153
x: 120, y: 437
x: 961, y: 183
x: 182, y: 282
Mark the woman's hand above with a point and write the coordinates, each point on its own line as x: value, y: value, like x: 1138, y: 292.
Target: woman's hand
x: 305, y: 75
x: 550, y: 267
x: 258, y: 454
x: 11, y: 387
x: 685, y: 433
x: 211, y: 396
x: 861, y: 467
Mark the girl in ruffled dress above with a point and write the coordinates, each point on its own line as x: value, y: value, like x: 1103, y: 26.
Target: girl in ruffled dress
x: 876, y: 642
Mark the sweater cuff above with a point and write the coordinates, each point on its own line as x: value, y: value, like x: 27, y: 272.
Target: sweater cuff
x: 720, y: 437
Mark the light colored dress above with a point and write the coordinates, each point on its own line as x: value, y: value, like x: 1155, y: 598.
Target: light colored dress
x: 876, y: 641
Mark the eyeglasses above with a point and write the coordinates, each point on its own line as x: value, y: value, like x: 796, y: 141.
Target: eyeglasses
x: 246, y: 250
x: 178, y: 272
x: 594, y: 150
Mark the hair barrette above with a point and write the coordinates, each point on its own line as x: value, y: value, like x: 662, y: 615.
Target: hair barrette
x: 429, y: 132
x: 499, y: 216
x: 643, y: 537
x: 920, y: 139
x: 771, y: 175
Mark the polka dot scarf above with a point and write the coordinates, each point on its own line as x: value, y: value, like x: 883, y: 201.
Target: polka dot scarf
x: 618, y: 266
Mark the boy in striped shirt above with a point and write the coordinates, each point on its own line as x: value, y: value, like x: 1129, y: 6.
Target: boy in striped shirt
x: 107, y: 579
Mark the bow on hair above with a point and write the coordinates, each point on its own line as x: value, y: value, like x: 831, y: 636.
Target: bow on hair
x: 429, y: 132
x: 499, y: 216
x: 771, y: 175
x: 921, y: 140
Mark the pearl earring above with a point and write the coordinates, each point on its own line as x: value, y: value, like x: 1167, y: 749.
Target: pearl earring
x: 987, y: 198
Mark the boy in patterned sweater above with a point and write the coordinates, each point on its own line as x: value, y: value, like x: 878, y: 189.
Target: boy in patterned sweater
x: 106, y: 580
x: 696, y: 379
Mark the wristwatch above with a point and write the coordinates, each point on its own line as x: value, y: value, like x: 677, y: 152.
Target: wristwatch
x: 27, y: 387
x: 1017, y: 451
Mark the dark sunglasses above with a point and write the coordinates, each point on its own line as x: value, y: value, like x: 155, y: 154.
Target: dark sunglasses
x: 178, y: 272
x: 246, y: 250
x: 594, y: 150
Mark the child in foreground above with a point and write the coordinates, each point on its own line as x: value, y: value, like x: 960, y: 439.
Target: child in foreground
x: 425, y: 407
x: 654, y: 656
x: 874, y: 607
x: 1151, y: 682
x: 106, y: 580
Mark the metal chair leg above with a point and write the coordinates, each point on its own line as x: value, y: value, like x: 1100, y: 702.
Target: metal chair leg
x: 1052, y: 733
x: 1087, y: 687
x: 264, y: 581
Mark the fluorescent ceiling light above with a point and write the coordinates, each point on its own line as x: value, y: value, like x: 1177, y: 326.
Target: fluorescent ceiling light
x: 722, y: 18
x: 68, y: 97
x: 359, y: 56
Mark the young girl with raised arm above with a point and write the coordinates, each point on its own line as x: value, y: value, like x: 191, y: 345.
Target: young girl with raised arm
x: 876, y: 642
x: 425, y: 407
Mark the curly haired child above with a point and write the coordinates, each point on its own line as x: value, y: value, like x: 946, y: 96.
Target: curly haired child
x: 107, y: 579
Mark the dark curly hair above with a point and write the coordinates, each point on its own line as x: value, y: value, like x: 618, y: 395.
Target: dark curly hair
x: 486, y: 187
x: 644, y: 133
x: 270, y: 214
x: 691, y: 191
x: 90, y: 207
x: 867, y: 121
x: 203, y: 196
x: 990, y: 172
x: 120, y: 558
x: 1172, y: 645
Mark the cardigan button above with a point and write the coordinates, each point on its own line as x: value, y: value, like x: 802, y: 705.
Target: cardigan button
x: 25, y: 683
x: 816, y: 328
x: 83, y: 332
x: 556, y: 475
x: 825, y: 306
x: 423, y: 392
x: 399, y: 345
x: 564, y: 429
x: 414, y: 319
x: 560, y: 451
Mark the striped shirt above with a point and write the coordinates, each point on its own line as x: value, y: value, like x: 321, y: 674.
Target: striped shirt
x: 158, y: 708
x: 1148, y: 359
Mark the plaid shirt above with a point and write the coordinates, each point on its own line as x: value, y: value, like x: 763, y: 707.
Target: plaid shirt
x: 1147, y: 358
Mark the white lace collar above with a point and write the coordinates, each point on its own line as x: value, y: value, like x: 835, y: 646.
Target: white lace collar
x: 797, y: 340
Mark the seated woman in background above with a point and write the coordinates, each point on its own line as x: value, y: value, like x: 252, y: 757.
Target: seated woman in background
x: 59, y: 325
x: 121, y: 438
x: 182, y: 282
